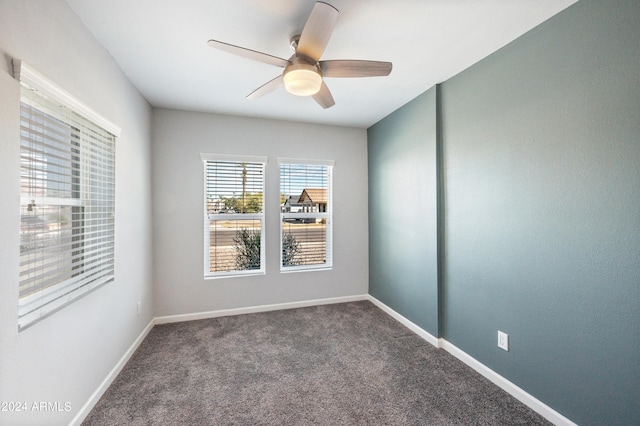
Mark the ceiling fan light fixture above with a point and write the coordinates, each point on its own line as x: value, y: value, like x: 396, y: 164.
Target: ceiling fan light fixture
x: 304, y: 71
x: 302, y: 79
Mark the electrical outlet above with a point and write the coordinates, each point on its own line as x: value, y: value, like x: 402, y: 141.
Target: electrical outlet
x: 139, y: 307
x: 503, y: 340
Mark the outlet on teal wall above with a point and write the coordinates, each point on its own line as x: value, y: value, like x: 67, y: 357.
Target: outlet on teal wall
x: 542, y: 143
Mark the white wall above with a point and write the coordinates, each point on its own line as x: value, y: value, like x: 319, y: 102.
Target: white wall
x: 65, y: 357
x: 179, y: 138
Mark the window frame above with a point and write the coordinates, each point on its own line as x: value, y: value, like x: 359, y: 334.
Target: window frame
x: 208, y: 218
x: 42, y: 99
x: 327, y: 215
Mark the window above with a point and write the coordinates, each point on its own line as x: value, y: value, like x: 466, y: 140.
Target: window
x: 234, y: 215
x: 67, y: 201
x: 305, y: 217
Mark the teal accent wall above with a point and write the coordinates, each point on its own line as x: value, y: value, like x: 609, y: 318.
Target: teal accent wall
x: 541, y: 204
x: 402, y: 211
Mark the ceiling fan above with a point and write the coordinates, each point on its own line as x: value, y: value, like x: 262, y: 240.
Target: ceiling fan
x: 304, y: 71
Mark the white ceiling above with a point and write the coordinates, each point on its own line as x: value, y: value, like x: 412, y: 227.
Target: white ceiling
x: 161, y: 45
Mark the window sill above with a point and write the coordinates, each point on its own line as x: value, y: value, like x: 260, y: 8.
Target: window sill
x: 234, y: 275
x: 306, y: 269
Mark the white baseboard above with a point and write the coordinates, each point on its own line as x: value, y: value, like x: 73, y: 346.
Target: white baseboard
x: 530, y: 401
x: 402, y: 320
x: 256, y: 309
x: 102, y: 388
x: 535, y: 404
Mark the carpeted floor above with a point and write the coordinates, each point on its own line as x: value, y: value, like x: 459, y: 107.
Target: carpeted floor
x: 343, y: 364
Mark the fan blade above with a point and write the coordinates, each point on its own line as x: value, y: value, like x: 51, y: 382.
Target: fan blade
x: 266, y: 88
x: 317, y: 31
x: 323, y: 97
x: 248, y: 53
x: 349, y: 68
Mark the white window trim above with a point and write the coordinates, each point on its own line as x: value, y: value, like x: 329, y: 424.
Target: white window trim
x: 315, y: 162
x: 328, y: 216
x: 234, y: 158
x: 208, y: 275
x: 54, y: 298
x: 32, y: 78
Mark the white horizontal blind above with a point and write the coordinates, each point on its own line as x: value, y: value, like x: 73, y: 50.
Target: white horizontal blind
x: 306, y: 214
x: 234, y: 216
x: 67, y: 190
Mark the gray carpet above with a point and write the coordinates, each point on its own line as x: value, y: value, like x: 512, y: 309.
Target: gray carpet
x: 344, y: 364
